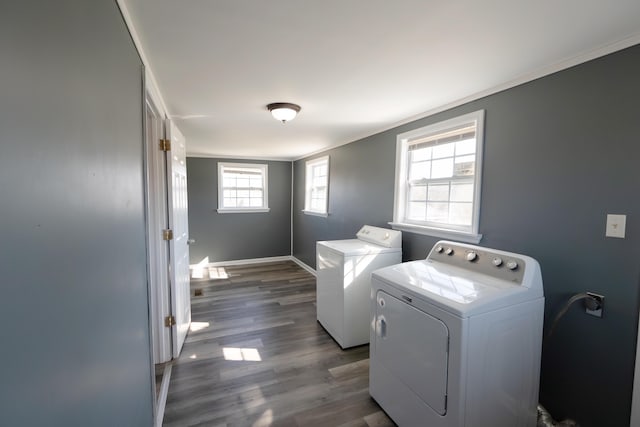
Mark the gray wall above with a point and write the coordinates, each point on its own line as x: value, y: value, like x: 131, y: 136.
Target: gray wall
x: 560, y: 153
x: 236, y: 236
x: 361, y: 179
x: 74, y: 304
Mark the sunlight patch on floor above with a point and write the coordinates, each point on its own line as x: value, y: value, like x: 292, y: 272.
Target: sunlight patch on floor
x: 218, y: 273
x: 265, y: 420
x: 197, y: 270
x: 198, y: 326
x: 246, y: 354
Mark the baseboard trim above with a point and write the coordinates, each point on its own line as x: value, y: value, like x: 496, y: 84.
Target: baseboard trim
x: 200, y: 267
x: 162, y: 397
x: 303, y: 265
x: 250, y: 261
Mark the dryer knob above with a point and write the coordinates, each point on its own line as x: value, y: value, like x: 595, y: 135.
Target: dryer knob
x: 497, y: 261
x: 448, y: 251
x: 471, y: 256
x: 512, y: 265
x: 439, y: 249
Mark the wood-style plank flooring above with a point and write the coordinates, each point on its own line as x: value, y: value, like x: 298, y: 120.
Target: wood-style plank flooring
x: 256, y: 356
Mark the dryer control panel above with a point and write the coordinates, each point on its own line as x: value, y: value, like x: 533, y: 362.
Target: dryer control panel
x: 499, y: 264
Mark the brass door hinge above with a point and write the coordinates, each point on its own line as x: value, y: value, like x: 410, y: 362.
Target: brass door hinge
x: 167, y: 234
x: 165, y: 145
x: 169, y: 321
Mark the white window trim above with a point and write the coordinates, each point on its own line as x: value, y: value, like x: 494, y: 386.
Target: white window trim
x: 399, y: 202
x: 306, y: 210
x: 265, y: 184
x: 314, y: 213
x: 242, y: 210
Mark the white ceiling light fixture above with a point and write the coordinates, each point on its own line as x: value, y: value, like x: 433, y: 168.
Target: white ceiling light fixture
x: 283, y: 111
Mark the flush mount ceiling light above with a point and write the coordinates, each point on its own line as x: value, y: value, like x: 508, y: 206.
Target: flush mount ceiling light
x: 283, y: 111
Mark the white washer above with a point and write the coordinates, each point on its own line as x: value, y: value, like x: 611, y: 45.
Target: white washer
x: 343, y: 270
x: 456, y: 339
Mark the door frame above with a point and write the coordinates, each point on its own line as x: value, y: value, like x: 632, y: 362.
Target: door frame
x: 157, y: 220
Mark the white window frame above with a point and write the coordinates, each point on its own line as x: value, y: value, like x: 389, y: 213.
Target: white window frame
x: 264, y: 170
x: 442, y: 230
x: 310, y: 166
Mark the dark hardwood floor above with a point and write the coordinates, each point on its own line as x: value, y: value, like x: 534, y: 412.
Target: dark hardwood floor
x: 256, y: 356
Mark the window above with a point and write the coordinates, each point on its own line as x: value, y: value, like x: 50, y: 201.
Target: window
x: 242, y: 187
x: 438, y: 170
x: 317, y: 186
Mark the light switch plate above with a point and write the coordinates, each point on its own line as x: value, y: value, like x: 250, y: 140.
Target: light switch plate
x: 616, y: 226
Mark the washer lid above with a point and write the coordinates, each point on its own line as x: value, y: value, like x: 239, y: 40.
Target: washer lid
x: 356, y: 247
x: 454, y: 289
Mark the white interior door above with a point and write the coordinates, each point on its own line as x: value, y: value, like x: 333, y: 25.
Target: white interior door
x: 157, y: 215
x: 178, y: 246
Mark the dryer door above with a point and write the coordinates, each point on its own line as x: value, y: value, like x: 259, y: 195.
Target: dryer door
x: 413, y: 346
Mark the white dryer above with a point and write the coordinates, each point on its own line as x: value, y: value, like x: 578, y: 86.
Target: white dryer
x: 456, y: 339
x: 343, y: 269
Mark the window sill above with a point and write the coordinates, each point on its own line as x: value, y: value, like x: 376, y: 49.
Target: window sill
x: 437, y: 232
x: 322, y: 214
x: 240, y: 210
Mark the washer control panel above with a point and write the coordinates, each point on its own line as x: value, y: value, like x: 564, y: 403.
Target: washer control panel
x: 479, y: 260
x: 380, y: 236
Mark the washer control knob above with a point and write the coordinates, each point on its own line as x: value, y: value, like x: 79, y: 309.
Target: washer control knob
x: 448, y: 251
x: 439, y: 249
x: 512, y: 265
x: 471, y: 256
x: 497, y: 261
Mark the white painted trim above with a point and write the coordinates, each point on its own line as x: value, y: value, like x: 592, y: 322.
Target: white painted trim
x: 153, y: 93
x: 157, y: 252
x: 308, y: 171
x: 246, y: 210
x: 258, y: 261
x: 162, y: 397
x: 151, y: 82
x: 221, y: 156
x: 304, y: 266
x: 314, y: 213
x: 264, y: 171
x: 403, y: 142
x: 524, y: 78
x: 436, y: 232
x: 250, y: 261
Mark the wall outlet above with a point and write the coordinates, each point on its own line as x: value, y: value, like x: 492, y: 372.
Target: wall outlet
x: 595, y: 305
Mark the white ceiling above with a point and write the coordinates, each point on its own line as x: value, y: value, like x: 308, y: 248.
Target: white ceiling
x: 356, y: 67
